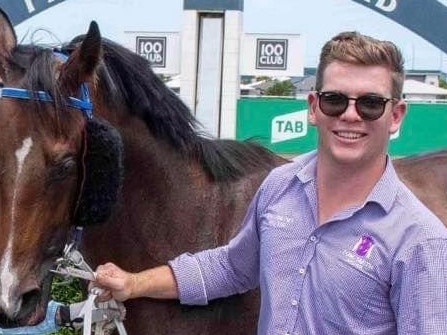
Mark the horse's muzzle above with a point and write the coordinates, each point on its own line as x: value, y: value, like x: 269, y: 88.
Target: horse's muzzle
x: 31, y: 311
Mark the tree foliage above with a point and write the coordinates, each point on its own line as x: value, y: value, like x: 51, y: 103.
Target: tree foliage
x: 442, y: 83
x: 280, y: 88
x: 66, y: 292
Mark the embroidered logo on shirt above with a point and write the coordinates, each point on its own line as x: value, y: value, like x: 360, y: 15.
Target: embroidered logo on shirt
x: 360, y: 252
x: 279, y: 221
x: 364, y: 246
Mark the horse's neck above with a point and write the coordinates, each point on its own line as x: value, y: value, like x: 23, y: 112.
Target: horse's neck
x: 169, y: 204
x: 150, y: 160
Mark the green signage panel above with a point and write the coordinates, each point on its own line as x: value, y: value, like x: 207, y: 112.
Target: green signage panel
x: 424, y: 129
x: 279, y: 124
x: 282, y: 126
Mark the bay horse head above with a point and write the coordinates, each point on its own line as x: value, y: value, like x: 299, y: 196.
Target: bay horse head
x: 59, y: 165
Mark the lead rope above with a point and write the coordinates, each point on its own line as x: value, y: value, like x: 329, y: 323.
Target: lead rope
x: 86, y: 313
x: 72, y: 264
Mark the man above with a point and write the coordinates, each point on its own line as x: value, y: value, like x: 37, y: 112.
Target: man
x: 335, y: 241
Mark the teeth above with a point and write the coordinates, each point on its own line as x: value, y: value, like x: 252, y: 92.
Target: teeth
x: 349, y: 135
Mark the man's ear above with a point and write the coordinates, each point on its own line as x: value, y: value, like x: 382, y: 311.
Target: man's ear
x: 397, y: 115
x: 312, y: 103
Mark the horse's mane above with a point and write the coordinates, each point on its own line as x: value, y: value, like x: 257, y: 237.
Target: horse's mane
x: 130, y: 81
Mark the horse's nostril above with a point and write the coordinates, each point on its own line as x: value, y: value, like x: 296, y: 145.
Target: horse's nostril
x: 29, y: 300
x: 29, y: 312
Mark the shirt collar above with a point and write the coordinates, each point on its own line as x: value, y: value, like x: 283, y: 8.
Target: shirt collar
x: 307, y: 168
x: 383, y: 193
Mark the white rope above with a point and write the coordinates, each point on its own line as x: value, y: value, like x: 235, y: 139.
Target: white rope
x: 118, y: 323
x: 86, y: 313
x: 73, y: 265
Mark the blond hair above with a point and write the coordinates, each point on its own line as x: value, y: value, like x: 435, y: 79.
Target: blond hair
x: 355, y: 48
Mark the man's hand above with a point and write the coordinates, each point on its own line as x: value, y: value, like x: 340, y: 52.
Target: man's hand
x: 117, y: 283
x: 157, y: 283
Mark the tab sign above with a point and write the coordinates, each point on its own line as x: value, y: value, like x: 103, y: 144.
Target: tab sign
x: 289, y: 126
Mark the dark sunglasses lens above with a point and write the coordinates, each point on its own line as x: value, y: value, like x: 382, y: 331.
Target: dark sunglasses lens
x: 333, y: 104
x: 370, y: 107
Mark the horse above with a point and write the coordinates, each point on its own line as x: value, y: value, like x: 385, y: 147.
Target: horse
x: 426, y: 176
x: 92, y: 138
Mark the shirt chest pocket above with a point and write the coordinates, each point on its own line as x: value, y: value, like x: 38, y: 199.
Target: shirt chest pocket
x: 348, y: 284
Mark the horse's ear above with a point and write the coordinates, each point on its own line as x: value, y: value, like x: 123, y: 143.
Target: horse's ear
x: 103, y: 165
x: 8, y: 41
x: 82, y: 62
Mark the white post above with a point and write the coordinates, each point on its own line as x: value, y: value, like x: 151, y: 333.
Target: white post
x: 212, y: 95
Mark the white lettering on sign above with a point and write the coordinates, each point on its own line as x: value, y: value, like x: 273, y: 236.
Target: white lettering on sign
x: 385, y: 5
x: 271, y: 54
x: 153, y: 49
x: 289, y: 126
x: 30, y: 6
x: 443, y: 2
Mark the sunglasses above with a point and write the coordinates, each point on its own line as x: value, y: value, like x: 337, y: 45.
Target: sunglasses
x: 370, y: 107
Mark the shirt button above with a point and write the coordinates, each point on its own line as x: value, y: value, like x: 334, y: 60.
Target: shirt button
x: 302, y: 271
x: 294, y: 302
x: 313, y: 238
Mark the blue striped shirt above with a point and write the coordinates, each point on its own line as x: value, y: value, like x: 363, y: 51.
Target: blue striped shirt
x: 379, y: 268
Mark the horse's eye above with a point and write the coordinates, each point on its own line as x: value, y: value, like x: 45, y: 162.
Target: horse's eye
x: 62, y: 170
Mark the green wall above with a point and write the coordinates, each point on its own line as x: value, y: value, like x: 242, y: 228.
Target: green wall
x: 281, y: 125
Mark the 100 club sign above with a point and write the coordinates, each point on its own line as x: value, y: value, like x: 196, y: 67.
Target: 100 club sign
x: 153, y: 49
x: 271, y: 54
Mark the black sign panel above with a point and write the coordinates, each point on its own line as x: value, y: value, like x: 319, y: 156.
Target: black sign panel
x: 153, y: 49
x: 20, y: 10
x: 271, y: 54
x: 427, y: 18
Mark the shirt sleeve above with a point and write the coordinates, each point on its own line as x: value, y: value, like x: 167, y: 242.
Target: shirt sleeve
x: 223, y: 271
x: 419, y: 289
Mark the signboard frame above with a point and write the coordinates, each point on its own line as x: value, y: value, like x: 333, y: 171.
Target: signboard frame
x: 157, y: 39
x: 272, y: 56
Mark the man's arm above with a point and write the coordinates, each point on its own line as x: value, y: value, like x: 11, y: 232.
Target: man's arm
x: 157, y: 283
x: 419, y: 289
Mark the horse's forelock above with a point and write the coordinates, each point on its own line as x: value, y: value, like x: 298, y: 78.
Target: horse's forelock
x: 38, y: 71
x: 36, y: 64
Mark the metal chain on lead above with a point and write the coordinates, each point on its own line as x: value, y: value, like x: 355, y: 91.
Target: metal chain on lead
x: 72, y: 264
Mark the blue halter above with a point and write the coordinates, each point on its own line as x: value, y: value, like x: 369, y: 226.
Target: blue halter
x: 83, y: 103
